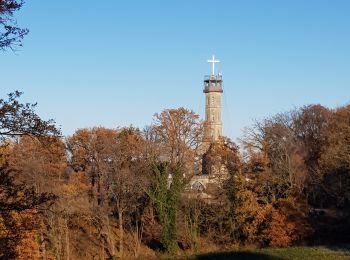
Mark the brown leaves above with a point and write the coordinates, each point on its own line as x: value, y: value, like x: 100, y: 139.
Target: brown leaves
x: 335, y: 159
x: 279, y: 232
x: 18, y: 212
x: 179, y: 134
x: 285, y: 223
x: 35, y: 161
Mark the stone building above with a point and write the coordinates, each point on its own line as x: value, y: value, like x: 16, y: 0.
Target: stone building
x: 212, y: 90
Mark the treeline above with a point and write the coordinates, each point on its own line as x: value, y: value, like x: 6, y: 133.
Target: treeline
x: 104, y: 193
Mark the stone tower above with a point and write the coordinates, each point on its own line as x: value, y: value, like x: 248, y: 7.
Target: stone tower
x: 213, y: 91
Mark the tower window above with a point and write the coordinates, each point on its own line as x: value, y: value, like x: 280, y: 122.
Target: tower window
x: 212, y: 100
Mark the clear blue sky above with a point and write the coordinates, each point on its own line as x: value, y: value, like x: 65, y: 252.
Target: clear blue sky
x: 116, y: 63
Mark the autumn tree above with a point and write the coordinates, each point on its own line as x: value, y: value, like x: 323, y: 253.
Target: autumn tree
x: 334, y: 160
x: 72, y: 226
x: 89, y: 151
x: 41, y: 163
x: 309, y: 126
x: 278, y: 232
x: 179, y: 133
x: 284, y: 155
x: 280, y: 156
x: 219, y: 162
x: 286, y: 221
x: 10, y: 34
x: 116, y: 165
x: 245, y: 212
x: 234, y: 218
x: 18, y: 200
x: 38, y: 162
x: 18, y: 212
x: 126, y: 182
x: 174, y: 138
x: 19, y: 119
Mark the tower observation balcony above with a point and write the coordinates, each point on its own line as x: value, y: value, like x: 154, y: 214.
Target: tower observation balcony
x: 212, y: 83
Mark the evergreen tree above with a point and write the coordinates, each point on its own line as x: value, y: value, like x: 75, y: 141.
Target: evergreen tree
x: 165, y: 193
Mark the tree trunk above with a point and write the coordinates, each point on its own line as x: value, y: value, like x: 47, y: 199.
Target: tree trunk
x: 67, y: 240
x: 42, y: 245
x: 138, y: 238
x: 59, y: 228
x: 121, y: 232
x: 110, y: 238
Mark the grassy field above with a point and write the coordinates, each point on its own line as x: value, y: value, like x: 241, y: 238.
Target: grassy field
x: 331, y: 253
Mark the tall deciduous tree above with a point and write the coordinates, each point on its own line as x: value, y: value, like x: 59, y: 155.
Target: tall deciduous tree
x: 179, y: 132
x: 18, y: 200
x: 18, y: 212
x: 38, y: 162
x: 18, y: 120
x: 116, y: 164
x: 89, y: 151
x: 126, y: 182
x: 310, y: 124
x: 335, y: 159
x: 280, y: 155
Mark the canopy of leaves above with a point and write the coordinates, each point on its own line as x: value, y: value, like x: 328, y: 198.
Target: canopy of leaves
x: 16, y: 200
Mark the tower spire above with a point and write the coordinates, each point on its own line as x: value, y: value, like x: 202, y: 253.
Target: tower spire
x: 213, y: 61
x: 213, y: 91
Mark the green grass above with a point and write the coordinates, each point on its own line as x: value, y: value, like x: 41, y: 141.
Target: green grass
x: 282, y: 253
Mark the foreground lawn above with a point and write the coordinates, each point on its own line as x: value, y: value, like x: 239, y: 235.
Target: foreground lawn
x: 282, y: 253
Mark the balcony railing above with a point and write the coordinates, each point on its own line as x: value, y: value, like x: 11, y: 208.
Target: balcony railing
x: 213, y: 77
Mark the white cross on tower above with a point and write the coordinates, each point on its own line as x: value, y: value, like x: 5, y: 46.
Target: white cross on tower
x: 213, y: 61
